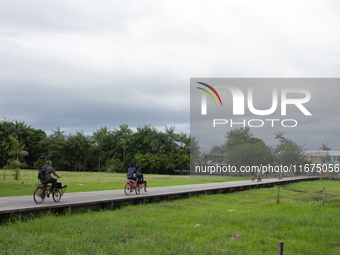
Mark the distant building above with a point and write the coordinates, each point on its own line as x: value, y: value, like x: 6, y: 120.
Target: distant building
x: 322, y: 157
x: 214, y: 157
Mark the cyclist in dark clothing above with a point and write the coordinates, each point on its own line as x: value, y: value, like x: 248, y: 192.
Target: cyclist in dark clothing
x: 131, y: 171
x: 48, y: 178
x: 140, y: 178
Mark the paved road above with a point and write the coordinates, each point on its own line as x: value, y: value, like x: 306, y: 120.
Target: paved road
x: 26, y: 202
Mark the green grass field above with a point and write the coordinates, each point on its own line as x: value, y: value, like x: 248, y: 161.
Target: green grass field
x: 92, y: 181
x: 247, y: 222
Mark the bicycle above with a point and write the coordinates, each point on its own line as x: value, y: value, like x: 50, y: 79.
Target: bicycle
x: 131, y: 186
x: 43, y: 190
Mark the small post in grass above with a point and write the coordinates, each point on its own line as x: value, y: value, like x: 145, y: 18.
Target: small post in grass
x: 323, y: 196
x: 278, y: 195
x: 280, y: 250
x: 4, y: 176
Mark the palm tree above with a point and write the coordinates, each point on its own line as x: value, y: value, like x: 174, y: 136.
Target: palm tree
x: 172, y: 137
x: 80, y: 149
x: 181, y: 138
x: 18, y: 129
x: 153, y: 140
x: 17, y: 149
x: 146, y: 135
x: 324, y: 147
x: 113, y: 142
x: 99, y: 137
x: 124, y: 134
x: 87, y: 142
x: 58, y: 133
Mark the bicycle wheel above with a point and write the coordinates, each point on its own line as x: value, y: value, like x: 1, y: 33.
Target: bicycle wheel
x: 127, y: 189
x: 39, y: 195
x: 137, y: 190
x: 56, y: 196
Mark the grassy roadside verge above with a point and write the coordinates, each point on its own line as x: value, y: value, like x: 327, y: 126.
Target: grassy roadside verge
x: 92, y: 181
x: 248, y: 222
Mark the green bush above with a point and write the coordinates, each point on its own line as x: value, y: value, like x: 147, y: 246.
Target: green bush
x: 23, y: 166
x: 114, y: 166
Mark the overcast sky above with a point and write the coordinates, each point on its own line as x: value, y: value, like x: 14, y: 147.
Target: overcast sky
x: 83, y: 64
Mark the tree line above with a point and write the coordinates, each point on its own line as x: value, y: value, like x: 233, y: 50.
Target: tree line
x: 109, y: 150
x: 242, y: 148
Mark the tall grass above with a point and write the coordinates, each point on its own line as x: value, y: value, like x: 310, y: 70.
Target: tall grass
x: 247, y: 222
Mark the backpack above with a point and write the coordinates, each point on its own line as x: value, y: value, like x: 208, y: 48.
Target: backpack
x: 41, y: 173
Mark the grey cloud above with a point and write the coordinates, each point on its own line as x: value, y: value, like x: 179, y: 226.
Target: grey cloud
x: 67, y: 17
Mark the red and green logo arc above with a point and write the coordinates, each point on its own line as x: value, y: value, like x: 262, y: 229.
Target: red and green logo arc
x: 207, y: 91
